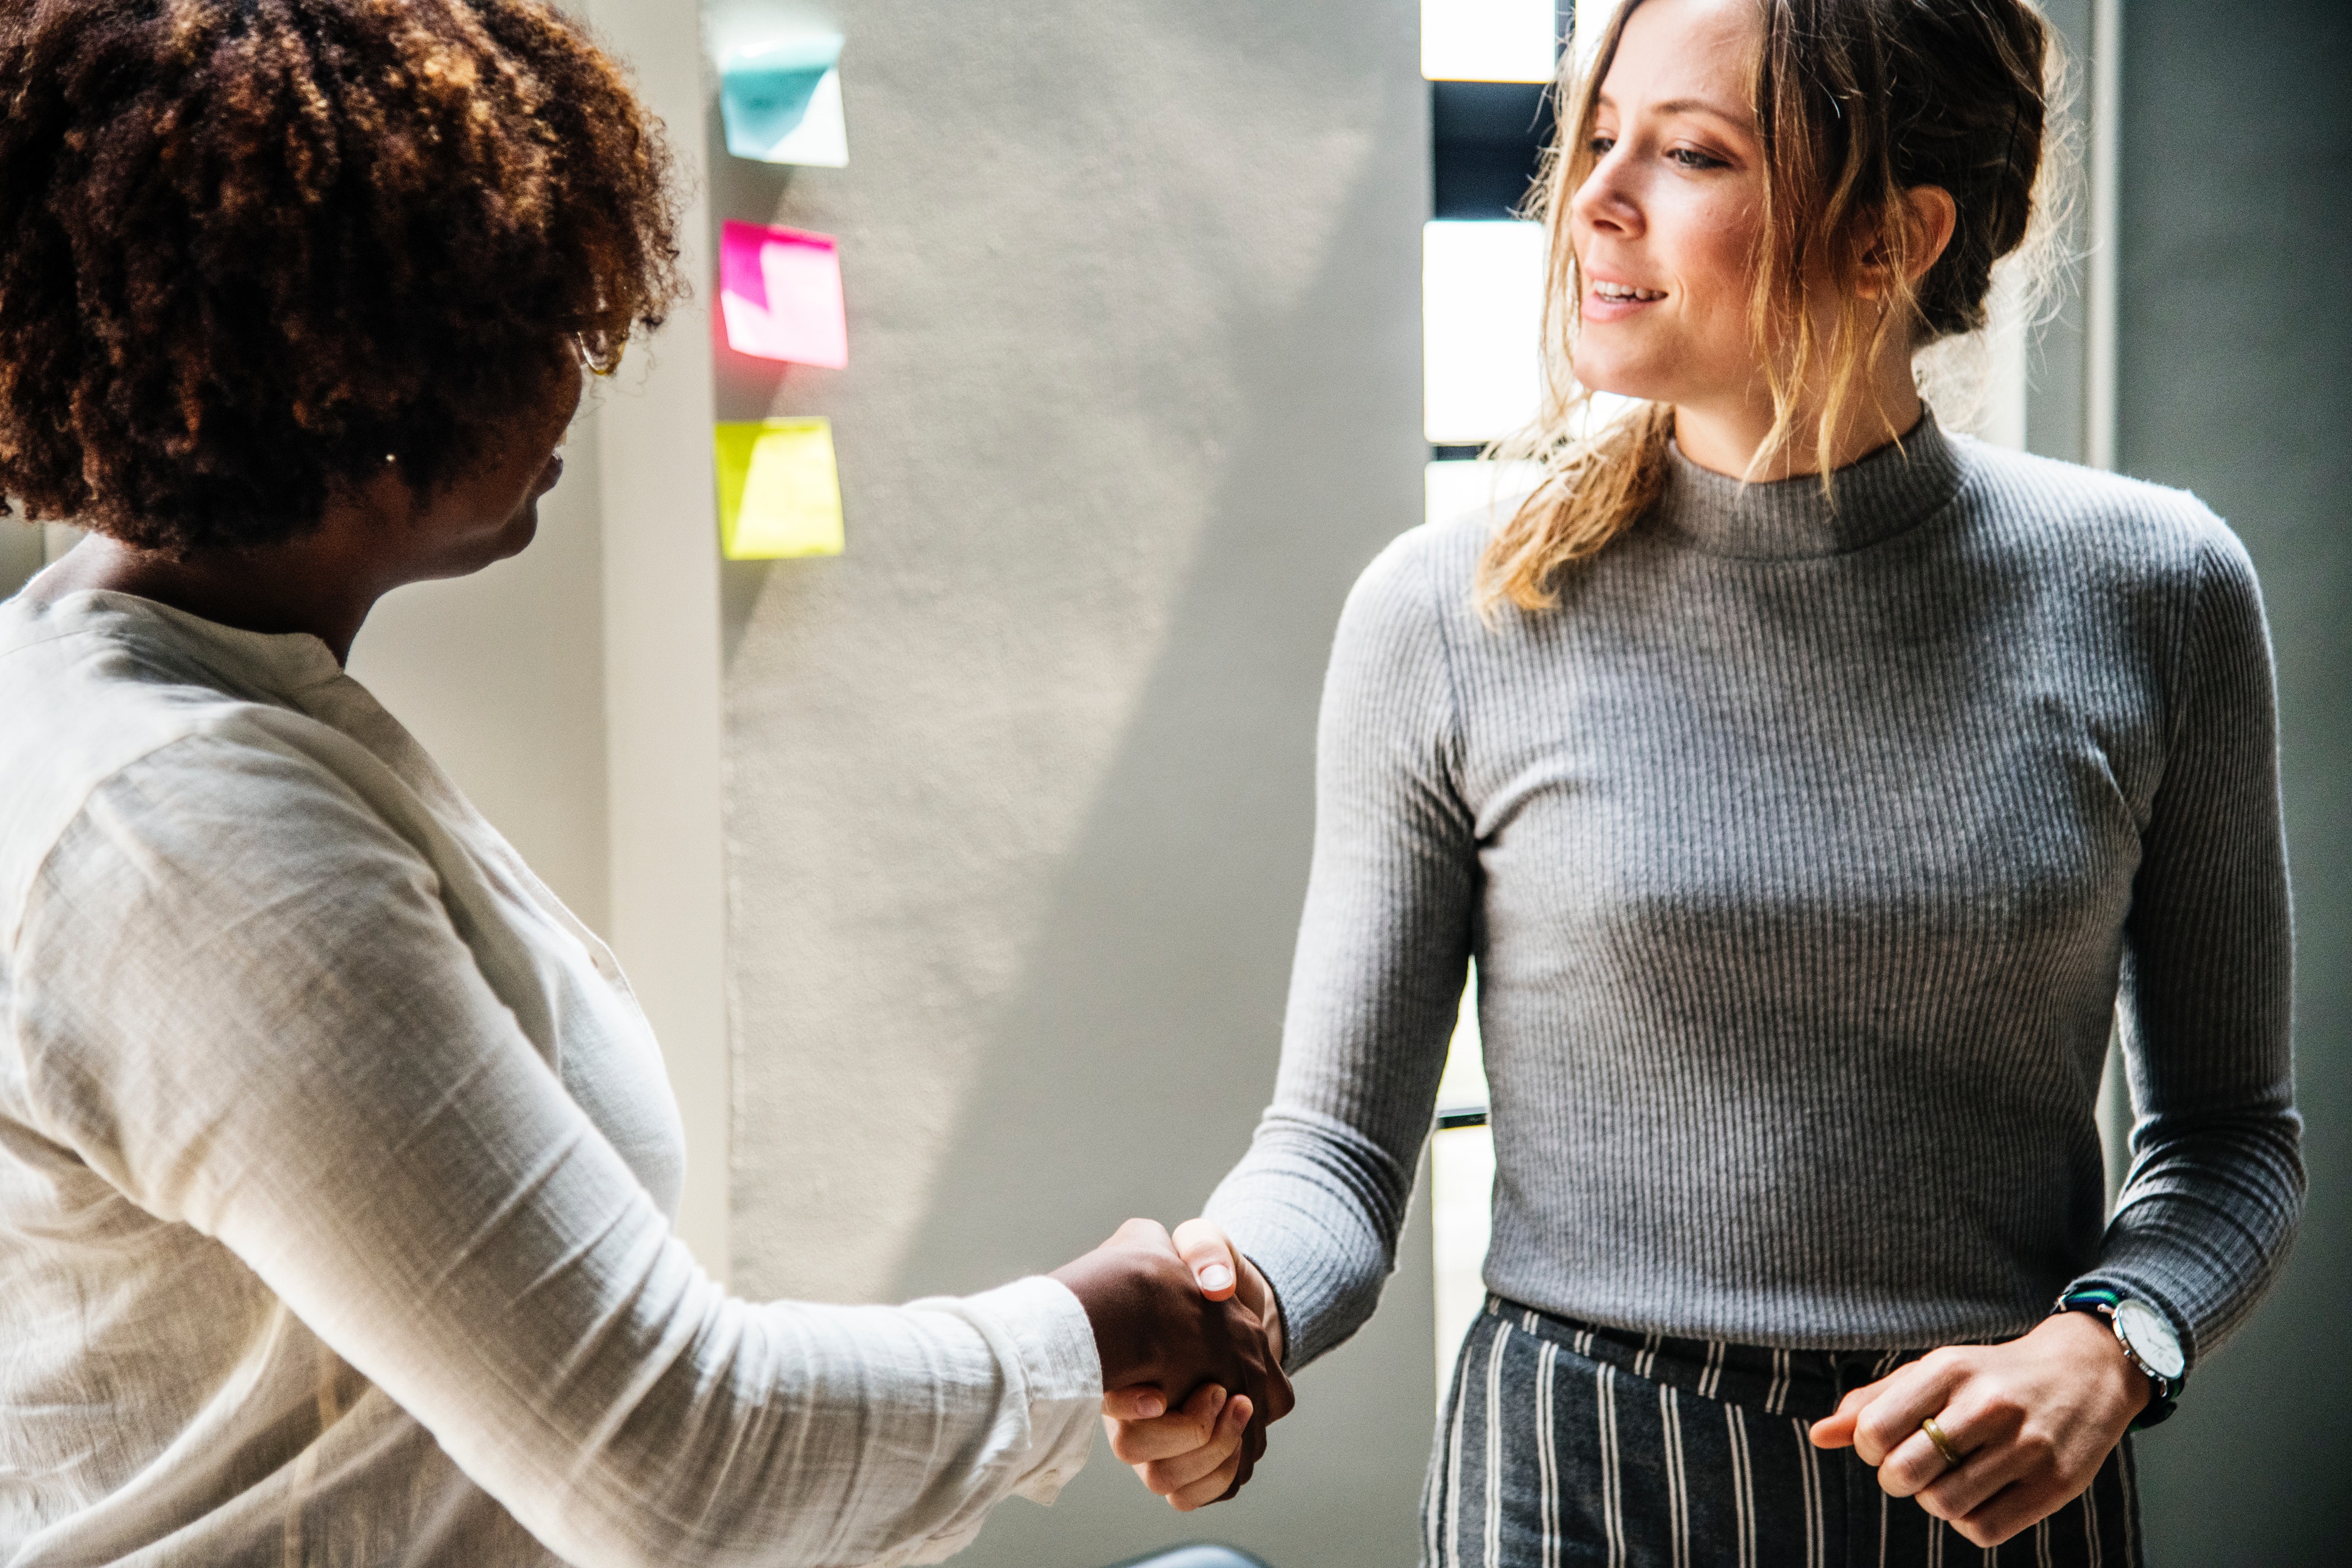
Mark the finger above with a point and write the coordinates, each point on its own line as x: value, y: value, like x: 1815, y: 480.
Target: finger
x: 1905, y: 1398
x: 1252, y: 1451
x: 1960, y: 1491
x: 2011, y: 1510
x: 1181, y: 1431
x: 1916, y: 1464
x: 1140, y: 1402
x: 1219, y: 1485
x: 1836, y: 1431
x: 1227, y: 1479
x: 1171, y: 1476
x: 1210, y: 1255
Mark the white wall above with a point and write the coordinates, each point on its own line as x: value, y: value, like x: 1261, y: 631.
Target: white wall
x: 1020, y: 792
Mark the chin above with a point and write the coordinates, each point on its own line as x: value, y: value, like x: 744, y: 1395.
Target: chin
x: 516, y: 537
x: 1622, y: 380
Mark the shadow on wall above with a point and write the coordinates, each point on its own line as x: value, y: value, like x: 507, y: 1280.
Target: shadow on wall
x: 1128, y: 1068
x: 1020, y: 787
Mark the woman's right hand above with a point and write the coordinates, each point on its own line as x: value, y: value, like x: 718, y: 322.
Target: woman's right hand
x: 1194, y: 1456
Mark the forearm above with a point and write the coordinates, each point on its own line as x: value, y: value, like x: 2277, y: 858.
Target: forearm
x: 1317, y: 1207
x: 1376, y: 982
x: 2206, y: 1219
x: 2216, y: 1187
x: 579, y: 1366
x: 299, y: 1057
x: 801, y: 1433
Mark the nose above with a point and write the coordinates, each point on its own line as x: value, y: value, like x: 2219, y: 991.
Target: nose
x: 1604, y: 202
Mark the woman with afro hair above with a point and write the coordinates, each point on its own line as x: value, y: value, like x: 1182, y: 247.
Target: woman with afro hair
x: 336, y: 1161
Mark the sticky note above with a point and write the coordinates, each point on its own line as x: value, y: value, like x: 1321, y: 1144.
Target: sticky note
x: 779, y: 492
x: 781, y: 100
x: 780, y: 295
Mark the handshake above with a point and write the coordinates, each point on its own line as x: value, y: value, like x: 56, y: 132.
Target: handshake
x: 1191, y: 1341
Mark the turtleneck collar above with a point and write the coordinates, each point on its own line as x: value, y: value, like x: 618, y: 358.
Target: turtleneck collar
x: 1889, y: 492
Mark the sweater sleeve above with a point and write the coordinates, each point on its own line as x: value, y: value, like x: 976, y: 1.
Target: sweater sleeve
x: 1383, y: 949
x: 242, y: 999
x: 2215, y: 1188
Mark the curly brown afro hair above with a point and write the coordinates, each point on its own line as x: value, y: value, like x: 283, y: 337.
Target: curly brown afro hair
x: 250, y: 248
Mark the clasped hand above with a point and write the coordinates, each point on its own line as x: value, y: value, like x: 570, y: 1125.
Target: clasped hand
x: 1192, y: 1358
x: 2032, y: 1420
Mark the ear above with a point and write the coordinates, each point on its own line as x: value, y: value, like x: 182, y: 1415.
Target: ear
x: 1932, y: 215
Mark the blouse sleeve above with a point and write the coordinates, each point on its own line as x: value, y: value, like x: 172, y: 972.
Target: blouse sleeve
x: 2216, y: 1183
x: 1383, y: 950
x: 242, y: 1000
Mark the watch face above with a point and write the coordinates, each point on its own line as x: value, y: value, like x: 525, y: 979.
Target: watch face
x: 2151, y: 1338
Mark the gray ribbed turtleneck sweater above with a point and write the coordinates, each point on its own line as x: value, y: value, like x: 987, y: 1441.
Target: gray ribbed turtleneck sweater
x: 1806, y: 853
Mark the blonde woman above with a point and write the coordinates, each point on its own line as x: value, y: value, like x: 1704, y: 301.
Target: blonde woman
x: 1811, y: 787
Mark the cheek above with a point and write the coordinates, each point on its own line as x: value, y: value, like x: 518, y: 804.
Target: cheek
x: 1716, y: 260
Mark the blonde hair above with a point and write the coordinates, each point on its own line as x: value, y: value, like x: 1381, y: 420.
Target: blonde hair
x: 1856, y: 102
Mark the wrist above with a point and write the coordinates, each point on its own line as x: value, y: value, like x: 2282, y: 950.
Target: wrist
x: 2143, y: 1336
x: 1263, y: 1301
x: 2090, y: 1342
x: 1106, y: 1294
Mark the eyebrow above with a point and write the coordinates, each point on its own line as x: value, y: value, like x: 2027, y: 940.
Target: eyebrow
x: 1690, y: 106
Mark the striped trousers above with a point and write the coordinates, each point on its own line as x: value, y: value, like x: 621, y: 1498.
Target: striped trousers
x: 1563, y: 1445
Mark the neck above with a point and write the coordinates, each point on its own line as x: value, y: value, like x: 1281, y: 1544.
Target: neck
x: 1726, y: 436
x: 322, y: 582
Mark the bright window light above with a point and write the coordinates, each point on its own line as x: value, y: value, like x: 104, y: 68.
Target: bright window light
x: 1486, y: 41
x: 1591, y: 20
x: 1455, y: 487
x: 1461, y: 1188
x: 1462, y: 1085
x: 1481, y: 319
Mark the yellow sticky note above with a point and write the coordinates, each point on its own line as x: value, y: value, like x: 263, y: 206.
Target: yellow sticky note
x: 778, y: 491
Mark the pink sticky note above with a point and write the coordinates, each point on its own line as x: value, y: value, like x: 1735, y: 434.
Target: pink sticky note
x: 780, y: 295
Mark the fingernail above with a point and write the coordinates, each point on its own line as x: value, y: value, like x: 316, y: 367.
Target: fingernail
x: 1217, y: 1400
x: 1149, y: 1406
x: 1216, y: 1277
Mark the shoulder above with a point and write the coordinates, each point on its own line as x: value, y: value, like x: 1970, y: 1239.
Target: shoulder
x: 2132, y: 535
x: 96, y: 723
x: 1421, y: 579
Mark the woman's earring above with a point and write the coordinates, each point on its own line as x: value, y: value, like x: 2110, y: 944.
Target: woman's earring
x: 590, y: 362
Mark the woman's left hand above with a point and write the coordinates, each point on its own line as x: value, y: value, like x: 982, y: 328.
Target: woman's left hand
x: 2033, y: 1420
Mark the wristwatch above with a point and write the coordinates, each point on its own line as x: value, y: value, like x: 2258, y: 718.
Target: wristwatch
x: 2149, y: 1342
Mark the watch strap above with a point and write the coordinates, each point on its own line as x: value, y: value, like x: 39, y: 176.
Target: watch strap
x: 2161, y: 1390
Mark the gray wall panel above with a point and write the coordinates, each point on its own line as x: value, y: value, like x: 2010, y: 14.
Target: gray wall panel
x: 2235, y: 381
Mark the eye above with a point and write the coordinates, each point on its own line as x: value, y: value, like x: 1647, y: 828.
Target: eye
x: 1600, y: 145
x: 1692, y: 158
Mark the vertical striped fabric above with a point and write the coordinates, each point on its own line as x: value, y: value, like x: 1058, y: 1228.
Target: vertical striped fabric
x: 1567, y: 1445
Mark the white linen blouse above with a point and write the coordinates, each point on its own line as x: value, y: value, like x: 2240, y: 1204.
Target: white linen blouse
x: 337, y: 1164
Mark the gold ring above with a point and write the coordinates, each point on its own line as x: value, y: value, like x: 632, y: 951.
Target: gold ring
x: 1943, y: 1443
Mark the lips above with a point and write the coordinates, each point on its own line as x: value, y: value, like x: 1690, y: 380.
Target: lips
x: 1613, y: 299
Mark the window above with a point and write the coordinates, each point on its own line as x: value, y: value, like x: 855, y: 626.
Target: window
x: 1489, y: 63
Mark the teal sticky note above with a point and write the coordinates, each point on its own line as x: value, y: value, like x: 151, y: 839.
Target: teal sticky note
x: 781, y: 100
